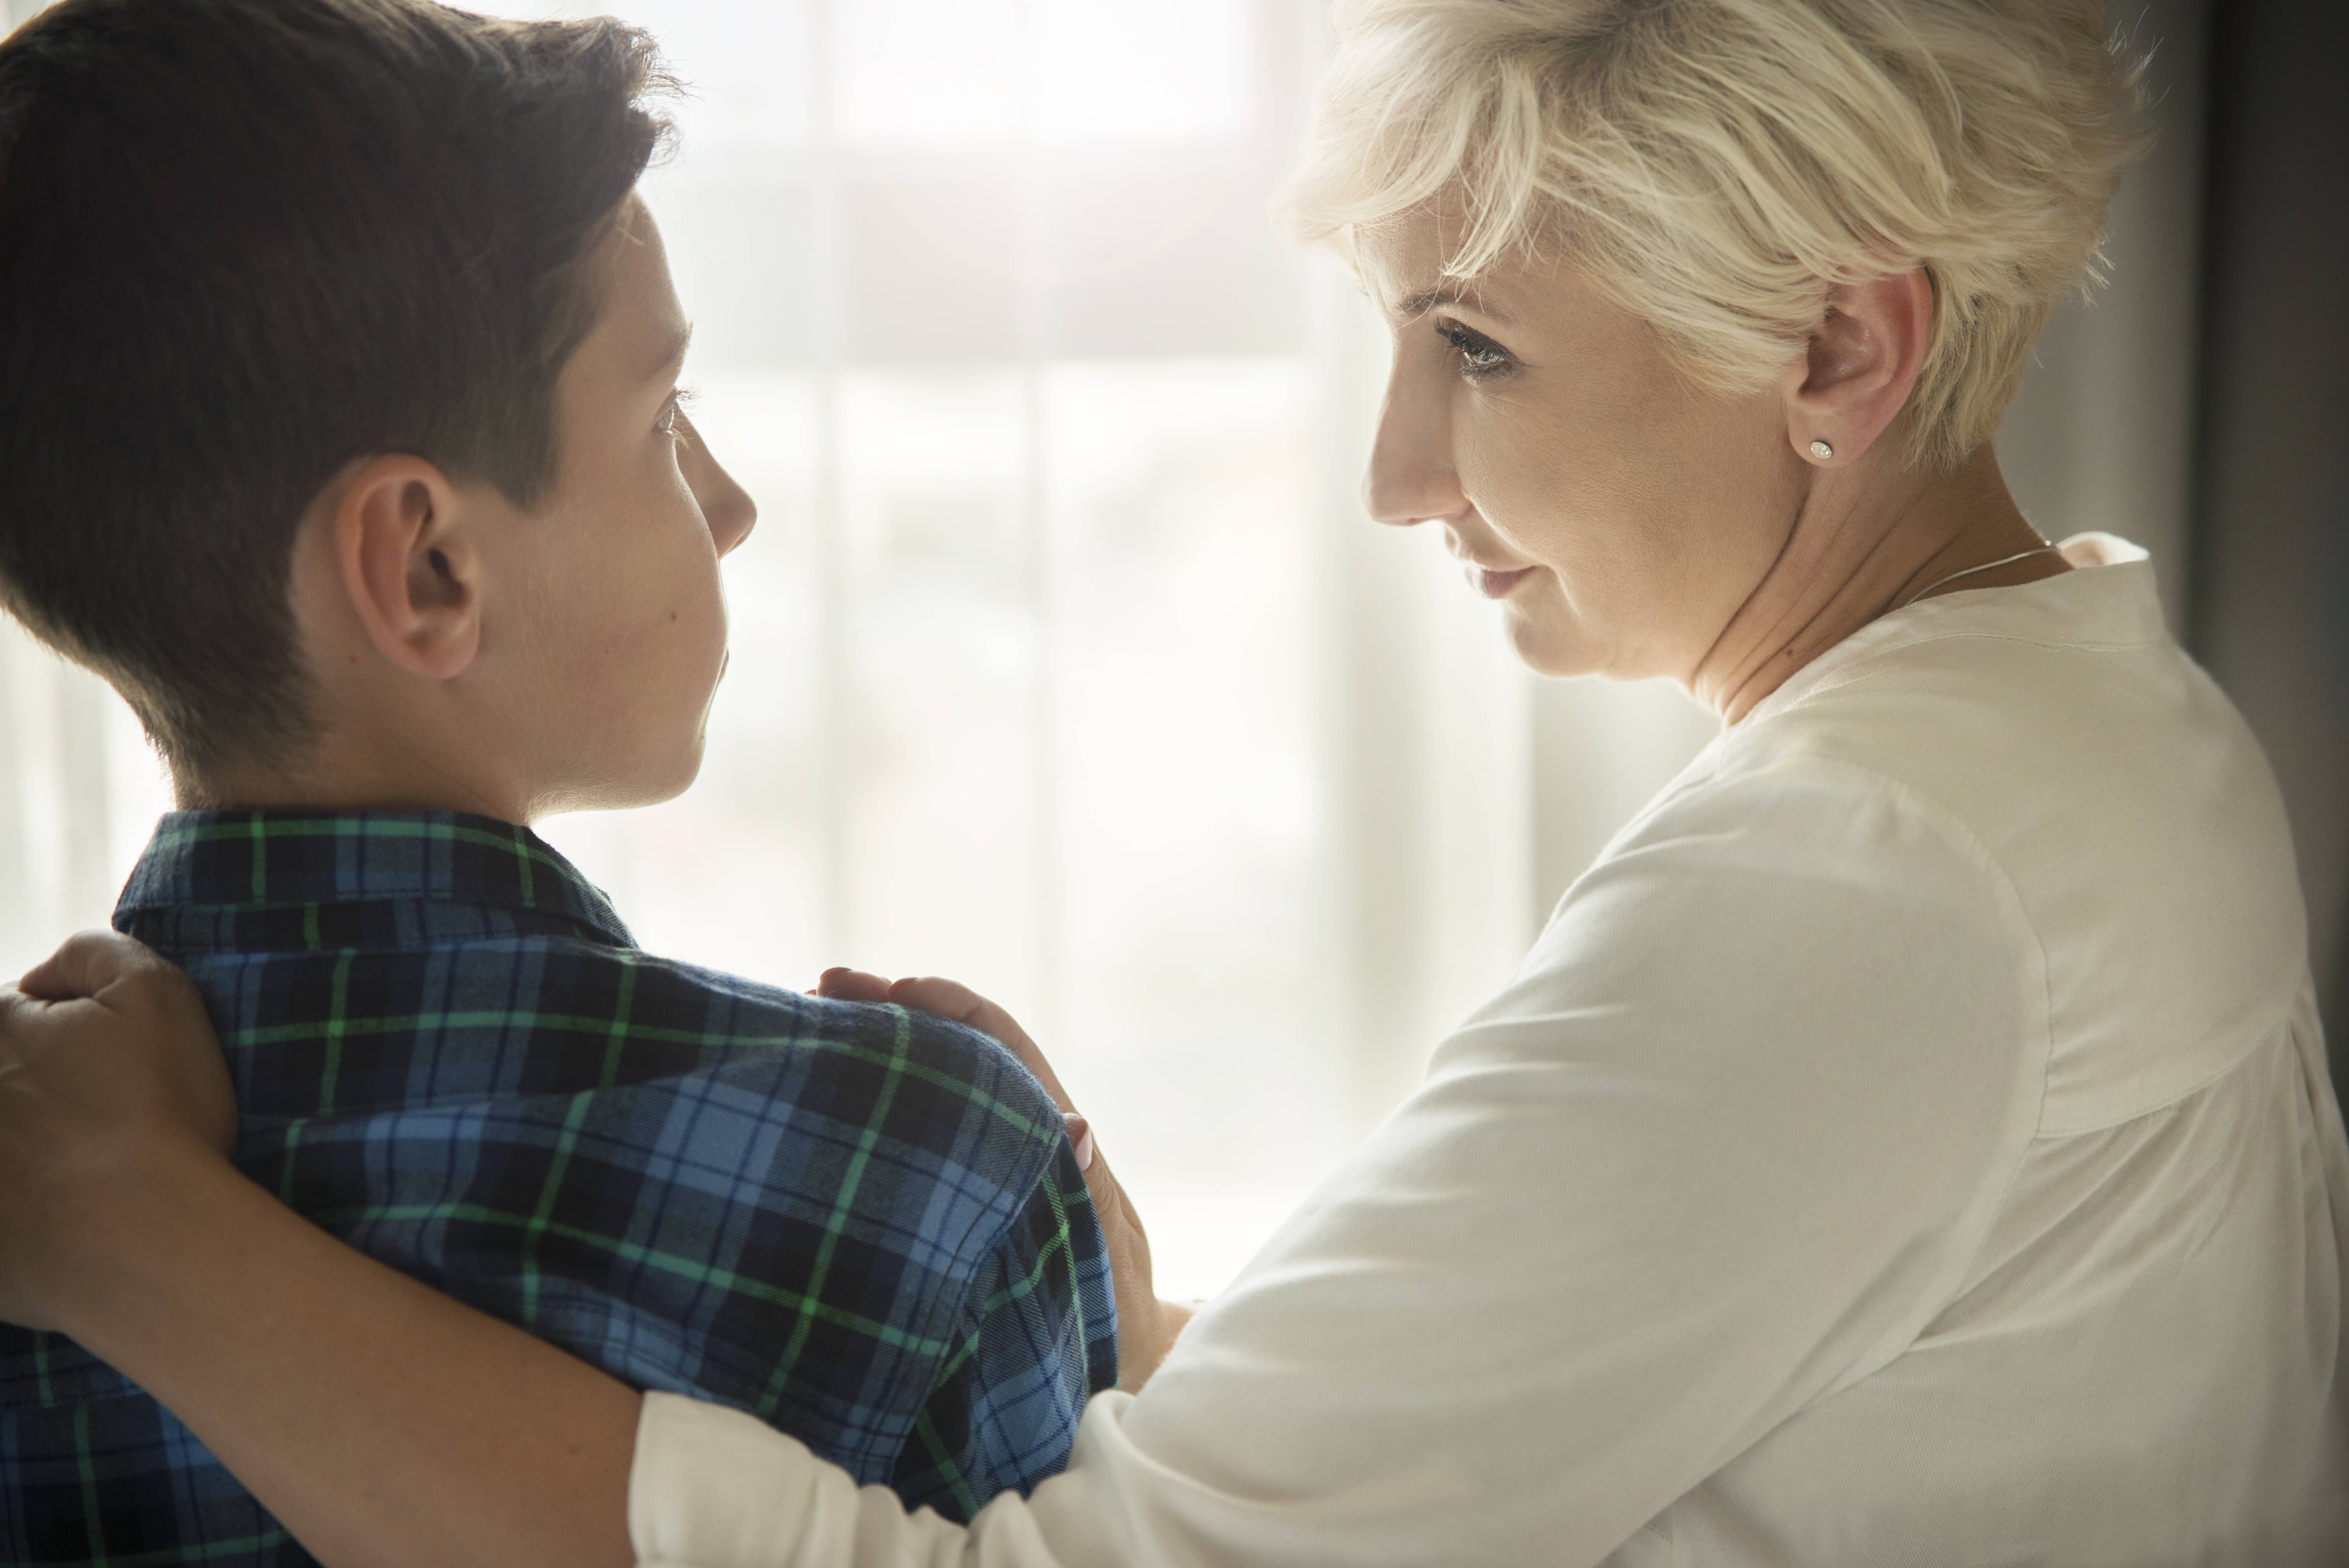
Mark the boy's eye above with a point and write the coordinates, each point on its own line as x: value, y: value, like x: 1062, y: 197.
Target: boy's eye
x: 667, y: 422
x: 1479, y: 356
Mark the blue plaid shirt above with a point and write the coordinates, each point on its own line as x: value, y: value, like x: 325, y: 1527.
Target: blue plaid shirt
x: 863, y: 1225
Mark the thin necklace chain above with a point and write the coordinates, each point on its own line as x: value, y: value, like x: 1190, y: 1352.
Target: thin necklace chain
x: 1986, y: 566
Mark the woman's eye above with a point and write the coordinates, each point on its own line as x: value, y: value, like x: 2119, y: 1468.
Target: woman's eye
x: 671, y: 411
x: 1479, y: 356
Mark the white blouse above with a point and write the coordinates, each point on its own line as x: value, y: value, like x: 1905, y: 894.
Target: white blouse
x: 1909, y: 1143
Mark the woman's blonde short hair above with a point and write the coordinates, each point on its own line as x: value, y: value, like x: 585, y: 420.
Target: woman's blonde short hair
x: 1717, y: 165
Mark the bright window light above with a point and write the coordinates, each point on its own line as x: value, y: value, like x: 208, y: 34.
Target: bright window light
x: 1140, y: 70
x: 1057, y: 71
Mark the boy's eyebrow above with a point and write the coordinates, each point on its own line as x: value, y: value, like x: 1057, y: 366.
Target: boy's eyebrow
x: 673, y: 350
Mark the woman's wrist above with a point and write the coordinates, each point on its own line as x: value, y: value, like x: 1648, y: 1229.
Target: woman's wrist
x: 1141, y: 1353
x: 82, y: 1219
x: 110, y: 1245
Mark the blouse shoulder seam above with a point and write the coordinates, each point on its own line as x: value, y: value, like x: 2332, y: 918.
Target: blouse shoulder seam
x: 1925, y: 806
x: 1912, y: 798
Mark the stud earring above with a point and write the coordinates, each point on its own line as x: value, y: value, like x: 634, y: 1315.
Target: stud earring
x: 1821, y: 451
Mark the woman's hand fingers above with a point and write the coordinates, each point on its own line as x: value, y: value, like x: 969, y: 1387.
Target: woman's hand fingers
x: 1080, y: 1137
x: 91, y: 961
x: 110, y: 1078
x: 1146, y: 1326
x: 108, y: 1029
x: 845, y: 984
x: 952, y: 999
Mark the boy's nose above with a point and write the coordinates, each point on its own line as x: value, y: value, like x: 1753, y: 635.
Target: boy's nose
x: 732, y: 516
x: 725, y: 505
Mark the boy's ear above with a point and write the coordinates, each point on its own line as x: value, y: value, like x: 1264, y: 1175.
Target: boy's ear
x: 410, y: 571
x: 1861, y: 363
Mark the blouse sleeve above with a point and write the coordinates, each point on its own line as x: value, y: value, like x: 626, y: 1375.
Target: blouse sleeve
x: 1725, y: 1147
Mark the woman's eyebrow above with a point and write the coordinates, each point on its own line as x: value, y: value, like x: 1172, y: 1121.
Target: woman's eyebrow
x: 1425, y: 300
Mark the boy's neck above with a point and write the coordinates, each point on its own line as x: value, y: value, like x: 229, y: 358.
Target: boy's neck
x: 311, y: 782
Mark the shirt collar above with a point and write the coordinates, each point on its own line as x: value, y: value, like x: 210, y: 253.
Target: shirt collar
x: 2109, y: 599
x: 255, y: 859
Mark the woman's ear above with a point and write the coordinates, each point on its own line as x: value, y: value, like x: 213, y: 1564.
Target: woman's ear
x: 406, y: 566
x: 1862, y: 362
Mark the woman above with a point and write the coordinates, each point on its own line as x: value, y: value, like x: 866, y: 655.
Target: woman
x: 1908, y: 1142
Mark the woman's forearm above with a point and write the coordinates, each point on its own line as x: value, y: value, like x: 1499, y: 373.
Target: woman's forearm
x: 385, y: 1424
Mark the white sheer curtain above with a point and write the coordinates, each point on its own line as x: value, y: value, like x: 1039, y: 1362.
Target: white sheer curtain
x: 1065, y: 662
x: 78, y: 791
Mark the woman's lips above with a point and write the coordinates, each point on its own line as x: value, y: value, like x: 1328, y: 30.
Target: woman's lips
x: 1498, y: 585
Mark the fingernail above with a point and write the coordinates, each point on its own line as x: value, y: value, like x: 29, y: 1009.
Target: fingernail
x: 1081, y: 1139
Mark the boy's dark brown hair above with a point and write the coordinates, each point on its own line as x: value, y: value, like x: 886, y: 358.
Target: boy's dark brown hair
x: 243, y: 242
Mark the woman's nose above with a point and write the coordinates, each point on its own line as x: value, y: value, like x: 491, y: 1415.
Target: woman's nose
x: 1412, y: 478
x: 725, y: 505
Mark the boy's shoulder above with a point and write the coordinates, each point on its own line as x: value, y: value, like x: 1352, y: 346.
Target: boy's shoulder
x: 911, y: 1065
x: 421, y: 1007
x: 703, y: 1142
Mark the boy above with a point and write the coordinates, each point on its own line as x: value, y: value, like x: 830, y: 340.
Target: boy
x: 339, y: 430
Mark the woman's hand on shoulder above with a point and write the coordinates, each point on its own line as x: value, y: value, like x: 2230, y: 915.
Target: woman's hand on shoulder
x: 111, y: 1082
x: 1146, y: 1326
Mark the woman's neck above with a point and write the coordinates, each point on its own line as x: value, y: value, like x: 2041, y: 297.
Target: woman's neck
x: 1866, y: 540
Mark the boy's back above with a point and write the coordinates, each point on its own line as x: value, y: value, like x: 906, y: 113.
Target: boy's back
x: 861, y: 1224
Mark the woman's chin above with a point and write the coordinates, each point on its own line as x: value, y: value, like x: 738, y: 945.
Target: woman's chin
x: 1545, y: 644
